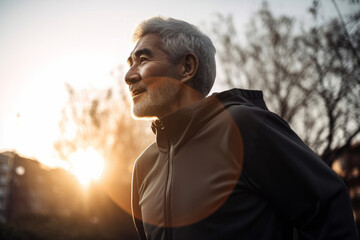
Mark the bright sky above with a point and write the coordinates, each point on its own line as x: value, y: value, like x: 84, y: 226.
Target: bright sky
x: 45, y: 43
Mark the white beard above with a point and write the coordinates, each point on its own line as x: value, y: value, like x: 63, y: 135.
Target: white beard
x: 156, y: 101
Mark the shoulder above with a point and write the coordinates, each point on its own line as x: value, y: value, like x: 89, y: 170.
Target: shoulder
x: 248, y: 116
x: 254, y: 122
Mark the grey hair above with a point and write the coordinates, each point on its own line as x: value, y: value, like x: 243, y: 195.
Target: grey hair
x: 178, y: 38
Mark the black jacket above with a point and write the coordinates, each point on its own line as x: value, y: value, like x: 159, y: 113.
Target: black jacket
x: 227, y: 168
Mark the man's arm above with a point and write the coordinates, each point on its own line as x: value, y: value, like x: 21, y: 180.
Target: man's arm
x: 299, y: 184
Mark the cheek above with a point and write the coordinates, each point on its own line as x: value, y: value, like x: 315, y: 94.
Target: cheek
x: 160, y: 82
x: 150, y: 82
x: 151, y: 69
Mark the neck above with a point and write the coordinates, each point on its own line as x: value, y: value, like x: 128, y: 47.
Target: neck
x: 186, y: 97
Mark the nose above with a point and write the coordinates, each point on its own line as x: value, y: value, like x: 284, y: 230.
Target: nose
x: 132, y: 77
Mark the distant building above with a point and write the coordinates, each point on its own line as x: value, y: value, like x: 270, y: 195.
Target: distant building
x: 347, y: 166
x: 26, y: 187
x: 29, y: 190
x: 6, y: 162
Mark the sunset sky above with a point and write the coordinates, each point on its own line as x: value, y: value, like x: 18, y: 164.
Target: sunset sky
x: 47, y: 43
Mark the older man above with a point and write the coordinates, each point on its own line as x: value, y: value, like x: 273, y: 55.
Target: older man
x: 223, y: 166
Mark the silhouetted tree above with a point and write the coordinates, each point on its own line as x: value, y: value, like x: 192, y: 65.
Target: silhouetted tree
x: 309, y: 77
x: 335, y: 67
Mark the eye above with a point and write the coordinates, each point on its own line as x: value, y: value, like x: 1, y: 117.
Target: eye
x: 142, y: 60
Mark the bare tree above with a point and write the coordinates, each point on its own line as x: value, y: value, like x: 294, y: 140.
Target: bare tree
x: 335, y: 68
x: 309, y: 77
x: 270, y: 60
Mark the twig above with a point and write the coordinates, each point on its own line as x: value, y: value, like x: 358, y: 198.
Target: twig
x: 347, y: 33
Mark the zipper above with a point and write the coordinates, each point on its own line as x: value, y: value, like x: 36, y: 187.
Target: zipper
x: 167, y: 206
x: 168, y: 222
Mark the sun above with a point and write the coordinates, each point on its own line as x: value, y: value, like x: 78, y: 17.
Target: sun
x: 87, y: 165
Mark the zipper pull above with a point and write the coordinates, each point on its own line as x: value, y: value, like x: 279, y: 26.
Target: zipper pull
x: 159, y: 124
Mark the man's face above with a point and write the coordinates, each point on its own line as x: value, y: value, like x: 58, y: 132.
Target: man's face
x: 154, y: 82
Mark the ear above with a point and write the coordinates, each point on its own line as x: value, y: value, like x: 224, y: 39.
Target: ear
x: 190, y: 64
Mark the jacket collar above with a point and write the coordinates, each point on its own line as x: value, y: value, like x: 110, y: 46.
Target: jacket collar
x: 178, y: 127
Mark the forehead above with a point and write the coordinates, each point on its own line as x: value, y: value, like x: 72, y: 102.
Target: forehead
x: 149, y: 41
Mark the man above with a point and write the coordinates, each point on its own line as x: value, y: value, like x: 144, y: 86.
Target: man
x: 223, y: 166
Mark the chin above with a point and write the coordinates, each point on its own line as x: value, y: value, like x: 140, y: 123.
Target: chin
x: 142, y: 112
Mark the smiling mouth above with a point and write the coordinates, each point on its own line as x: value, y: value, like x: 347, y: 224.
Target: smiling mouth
x: 137, y: 92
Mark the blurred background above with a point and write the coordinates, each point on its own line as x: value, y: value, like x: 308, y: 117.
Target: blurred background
x: 68, y: 141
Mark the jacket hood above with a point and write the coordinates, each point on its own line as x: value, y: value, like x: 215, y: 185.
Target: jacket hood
x: 241, y: 97
x: 179, y: 126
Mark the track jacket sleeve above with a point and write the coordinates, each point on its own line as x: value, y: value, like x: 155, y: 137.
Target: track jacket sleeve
x: 298, y: 183
x: 135, y: 208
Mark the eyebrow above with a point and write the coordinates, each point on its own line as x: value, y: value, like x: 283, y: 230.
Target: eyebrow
x: 138, y: 53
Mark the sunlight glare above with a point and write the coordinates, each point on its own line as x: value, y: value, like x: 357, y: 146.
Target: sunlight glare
x: 87, y: 165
